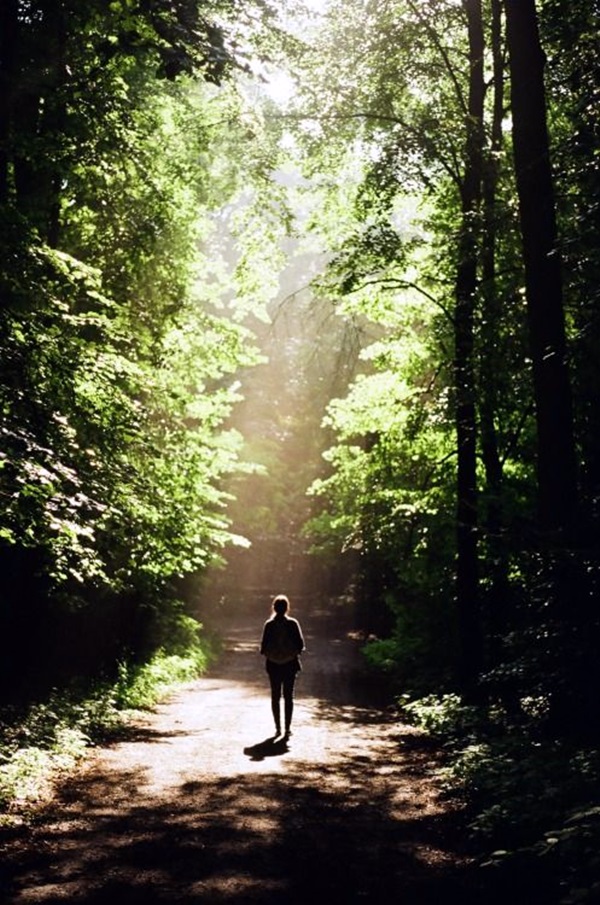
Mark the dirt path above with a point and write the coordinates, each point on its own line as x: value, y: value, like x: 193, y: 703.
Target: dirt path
x: 197, y: 806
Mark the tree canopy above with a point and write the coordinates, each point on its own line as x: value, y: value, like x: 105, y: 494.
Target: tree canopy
x: 437, y: 137
x: 118, y: 360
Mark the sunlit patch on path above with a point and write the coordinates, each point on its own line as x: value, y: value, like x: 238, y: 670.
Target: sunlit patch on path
x: 199, y: 804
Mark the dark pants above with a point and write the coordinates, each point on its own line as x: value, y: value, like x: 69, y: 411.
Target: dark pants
x: 282, y: 677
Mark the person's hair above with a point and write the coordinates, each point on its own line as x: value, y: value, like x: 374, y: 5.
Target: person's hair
x: 281, y: 604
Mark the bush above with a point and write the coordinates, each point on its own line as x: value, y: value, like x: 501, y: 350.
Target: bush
x: 40, y: 742
x: 139, y: 687
x: 532, y: 803
x: 444, y: 716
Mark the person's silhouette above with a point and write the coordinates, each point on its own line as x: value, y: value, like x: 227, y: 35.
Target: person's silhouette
x: 281, y: 645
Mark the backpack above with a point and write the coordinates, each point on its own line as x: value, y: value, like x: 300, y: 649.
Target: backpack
x: 282, y: 641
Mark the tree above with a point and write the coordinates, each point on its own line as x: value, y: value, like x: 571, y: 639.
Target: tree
x: 572, y: 86
x: 400, y: 113
x: 52, y: 57
x: 556, y: 459
x: 116, y: 368
x: 467, y: 567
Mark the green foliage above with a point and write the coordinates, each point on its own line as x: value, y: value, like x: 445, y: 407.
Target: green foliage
x: 37, y: 745
x: 114, y: 430
x: 119, y: 354
x: 442, y: 716
x: 387, y: 493
x: 46, y: 739
x: 139, y: 687
x: 532, y: 803
x: 420, y: 653
x: 386, y: 157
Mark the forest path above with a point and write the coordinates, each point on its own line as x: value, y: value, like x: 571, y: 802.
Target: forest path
x: 196, y: 805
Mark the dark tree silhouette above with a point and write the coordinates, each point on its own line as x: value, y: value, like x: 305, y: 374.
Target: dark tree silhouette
x: 556, y: 468
x: 467, y: 579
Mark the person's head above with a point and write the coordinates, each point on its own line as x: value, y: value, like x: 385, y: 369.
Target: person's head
x: 281, y: 605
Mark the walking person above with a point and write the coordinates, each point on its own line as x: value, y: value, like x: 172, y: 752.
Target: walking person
x: 282, y: 643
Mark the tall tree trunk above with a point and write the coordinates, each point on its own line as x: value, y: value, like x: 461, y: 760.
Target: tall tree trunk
x: 574, y: 698
x: 491, y: 363
x: 556, y: 461
x: 467, y: 571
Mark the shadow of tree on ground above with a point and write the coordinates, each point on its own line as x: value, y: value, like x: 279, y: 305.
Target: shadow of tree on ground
x: 345, y: 831
x: 348, y: 813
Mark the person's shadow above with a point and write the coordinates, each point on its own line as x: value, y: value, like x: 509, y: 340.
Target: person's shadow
x: 271, y: 747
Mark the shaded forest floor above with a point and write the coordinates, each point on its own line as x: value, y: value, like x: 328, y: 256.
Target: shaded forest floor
x: 197, y: 804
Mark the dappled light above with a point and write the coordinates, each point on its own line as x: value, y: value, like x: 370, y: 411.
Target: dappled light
x: 299, y: 299
x: 196, y: 804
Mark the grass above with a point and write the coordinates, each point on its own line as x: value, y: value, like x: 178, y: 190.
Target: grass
x: 41, y: 742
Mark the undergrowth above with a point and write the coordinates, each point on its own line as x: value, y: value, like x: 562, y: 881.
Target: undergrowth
x: 40, y: 742
x: 533, y: 803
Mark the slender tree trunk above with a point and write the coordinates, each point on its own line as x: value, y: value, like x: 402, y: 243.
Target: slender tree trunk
x: 467, y: 572
x: 556, y: 460
x: 490, y: 357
